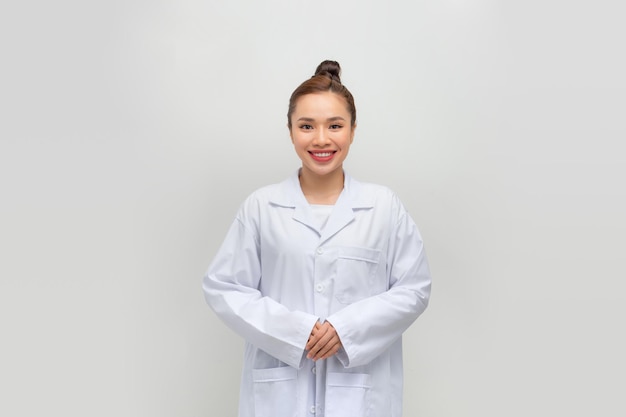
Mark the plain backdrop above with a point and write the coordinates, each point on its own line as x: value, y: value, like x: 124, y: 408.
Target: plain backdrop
x: 130, y: 132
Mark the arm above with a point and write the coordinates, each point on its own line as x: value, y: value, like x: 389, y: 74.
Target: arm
x: 370, y: 326
x: 231, y: 289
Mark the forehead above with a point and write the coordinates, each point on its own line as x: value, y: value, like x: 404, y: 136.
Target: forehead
x: 326, y: 104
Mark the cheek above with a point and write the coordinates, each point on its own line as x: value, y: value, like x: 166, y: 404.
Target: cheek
x: 298, y: 142
x: 294, y: 138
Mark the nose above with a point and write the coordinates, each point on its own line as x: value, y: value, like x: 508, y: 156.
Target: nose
x: 322, y: 138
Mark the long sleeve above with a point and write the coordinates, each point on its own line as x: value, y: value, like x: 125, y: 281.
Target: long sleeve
x: 231, y: 289
x: 370, y: 326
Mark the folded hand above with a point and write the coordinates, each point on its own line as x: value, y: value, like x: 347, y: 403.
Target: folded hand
x: 323, y: 341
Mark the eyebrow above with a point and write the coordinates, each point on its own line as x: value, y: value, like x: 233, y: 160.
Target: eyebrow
x: 330, y: 119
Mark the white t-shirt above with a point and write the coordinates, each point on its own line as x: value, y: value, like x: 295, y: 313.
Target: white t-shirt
x: 321, y: 213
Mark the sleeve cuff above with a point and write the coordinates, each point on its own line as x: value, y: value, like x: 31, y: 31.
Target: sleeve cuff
x: 342, y: 356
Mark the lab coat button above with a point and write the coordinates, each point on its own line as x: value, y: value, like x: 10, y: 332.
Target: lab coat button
x: 319, y: 288
x: 312, y: 409
x: 314, y: 370
x: 320, y: 251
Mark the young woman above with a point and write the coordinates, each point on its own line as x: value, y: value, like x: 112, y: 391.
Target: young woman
x: 321, y: 275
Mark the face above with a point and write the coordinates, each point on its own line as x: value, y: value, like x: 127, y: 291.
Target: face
x: 321, y: 133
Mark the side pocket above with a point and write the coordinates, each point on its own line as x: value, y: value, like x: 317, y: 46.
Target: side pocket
x: 347, y: 394
x: 275, y: 391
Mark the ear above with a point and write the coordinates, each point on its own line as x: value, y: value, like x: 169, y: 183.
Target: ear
x: 352, y: 133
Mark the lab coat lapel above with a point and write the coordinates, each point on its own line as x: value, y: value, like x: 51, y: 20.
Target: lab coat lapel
x: 303, y: 214
x: 351, y: 200
x: 290, y: 195
x: 341, y: 216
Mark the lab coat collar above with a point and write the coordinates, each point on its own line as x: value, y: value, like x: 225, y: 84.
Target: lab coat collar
x: 289, y: 194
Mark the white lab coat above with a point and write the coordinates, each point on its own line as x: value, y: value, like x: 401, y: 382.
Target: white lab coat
x: 276, y: 275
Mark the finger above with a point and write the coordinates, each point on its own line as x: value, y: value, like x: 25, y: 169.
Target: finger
x: 326, y: 348
x: 330, y: 340
x: 330, y: 349
x: 323, y: 336
x: 314, y: 337
x: 323, y: 342
x: 315, y: 342
x: 332, y: 345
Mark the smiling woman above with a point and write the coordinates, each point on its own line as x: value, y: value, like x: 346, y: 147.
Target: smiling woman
x: 321, y: 275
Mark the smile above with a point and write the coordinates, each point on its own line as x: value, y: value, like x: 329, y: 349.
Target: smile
x: 322, y: 154
x: 322, y: 157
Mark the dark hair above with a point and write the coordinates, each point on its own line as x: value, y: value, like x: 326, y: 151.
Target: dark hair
x: 326, y: 78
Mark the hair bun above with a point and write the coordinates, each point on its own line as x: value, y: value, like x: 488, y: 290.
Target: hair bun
x: 332, y: 69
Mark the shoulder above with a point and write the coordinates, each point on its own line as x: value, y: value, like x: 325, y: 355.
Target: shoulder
x: 373, y: 189
x: 384, y: 202
x: 375, y: 194
x: 267, y: 194
x: 277, y: 194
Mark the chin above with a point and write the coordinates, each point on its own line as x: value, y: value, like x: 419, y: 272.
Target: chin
x: 325, y: 171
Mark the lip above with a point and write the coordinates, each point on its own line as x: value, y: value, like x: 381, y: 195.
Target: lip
x: 322, y: 156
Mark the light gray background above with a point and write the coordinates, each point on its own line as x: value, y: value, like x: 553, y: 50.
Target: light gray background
x: 130, y: 132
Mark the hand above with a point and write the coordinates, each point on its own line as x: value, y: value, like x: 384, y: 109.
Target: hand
x: 323, y: 342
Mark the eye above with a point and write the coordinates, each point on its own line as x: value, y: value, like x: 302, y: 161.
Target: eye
x: 306, y: 127
x: 335, y: 127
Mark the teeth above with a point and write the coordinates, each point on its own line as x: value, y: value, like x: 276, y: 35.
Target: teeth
x: 323, y: 154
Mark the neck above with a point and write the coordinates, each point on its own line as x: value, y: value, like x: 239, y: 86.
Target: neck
x: 323, y: 189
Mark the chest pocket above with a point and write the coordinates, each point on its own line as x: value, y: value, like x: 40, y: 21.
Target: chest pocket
x: 356, y: 274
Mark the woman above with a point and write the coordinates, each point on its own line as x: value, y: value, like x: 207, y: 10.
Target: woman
x: 321, y: 275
